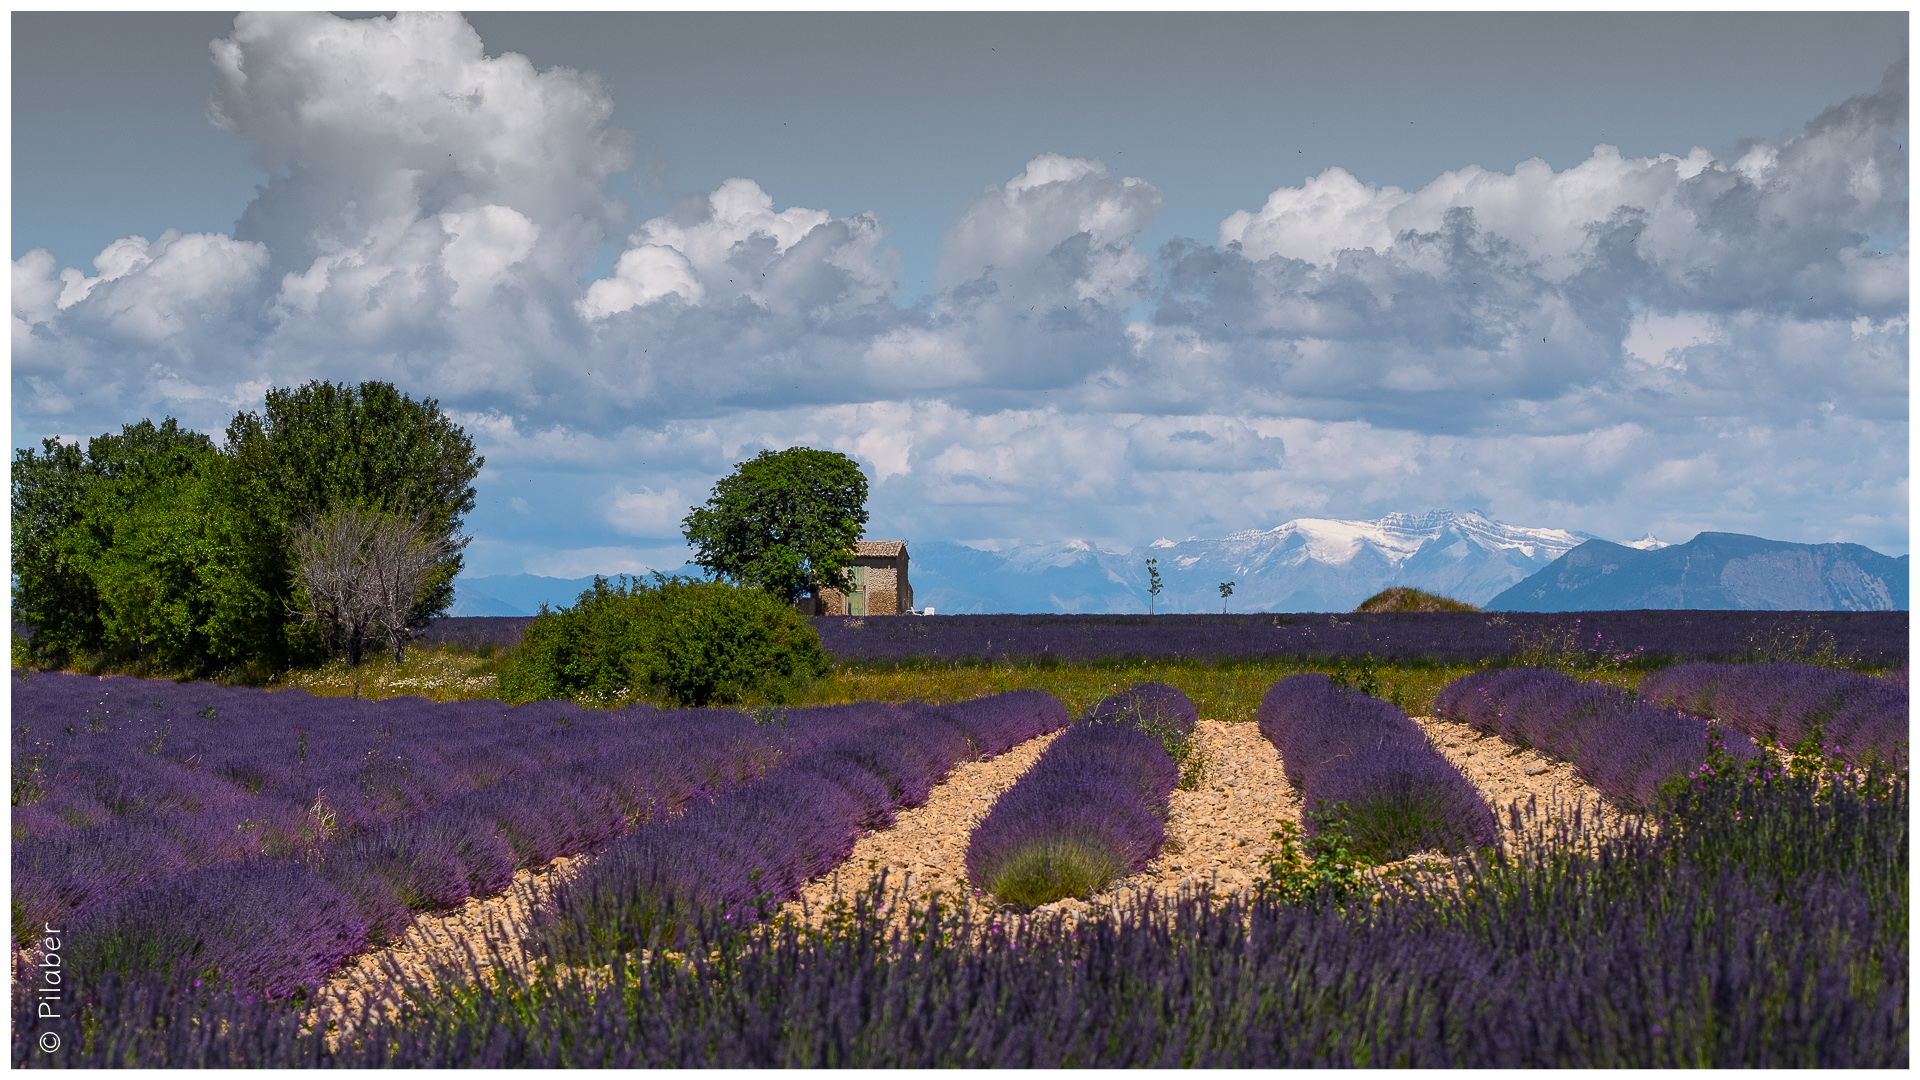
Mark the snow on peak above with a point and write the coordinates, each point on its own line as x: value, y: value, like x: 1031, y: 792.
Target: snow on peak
x: 1648, y: 542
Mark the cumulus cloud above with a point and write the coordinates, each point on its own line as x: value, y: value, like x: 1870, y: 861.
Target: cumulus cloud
x: 646, y: 512
x: 1669, y: 342
x: 1654, y: 288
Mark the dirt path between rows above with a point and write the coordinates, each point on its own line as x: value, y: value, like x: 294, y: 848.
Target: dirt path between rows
x: 1216, y: 836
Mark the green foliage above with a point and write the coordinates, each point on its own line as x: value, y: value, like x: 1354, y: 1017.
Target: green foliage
x: 1389, y: 823
x: 1404, y: 599
x: 1154, y: 584
x: 1366, y: 679
x: 51, y: 489
x: 1325, y: 866
x: 324, y: 445
x: 152, y: 549
x: 1041, y: 873
x: 690, y: 642
x: 784, y: 522
x: 149, y: 563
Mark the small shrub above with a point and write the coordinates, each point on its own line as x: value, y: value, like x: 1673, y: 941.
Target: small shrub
x: 1056, y: 868
x: 691, y: 642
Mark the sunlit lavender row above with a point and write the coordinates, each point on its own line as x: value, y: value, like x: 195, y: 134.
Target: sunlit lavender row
x: 1339, y: 747
x: 752, y: 848
x: 1872, y: 637
x: 1852, y: 716
x: 1767, y: 929
x: 1626, y: 749
x: 1092, y: 809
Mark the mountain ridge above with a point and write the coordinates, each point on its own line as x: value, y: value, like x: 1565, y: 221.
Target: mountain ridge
x: 1306, y: 564
x: 1715, y: 571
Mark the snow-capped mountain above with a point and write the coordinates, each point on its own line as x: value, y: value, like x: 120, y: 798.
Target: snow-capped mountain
x: 1308, y: 564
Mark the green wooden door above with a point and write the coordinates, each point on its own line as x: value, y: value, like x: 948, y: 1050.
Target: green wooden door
x: 857, y: 599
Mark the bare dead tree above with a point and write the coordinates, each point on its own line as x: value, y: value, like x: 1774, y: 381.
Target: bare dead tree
x: 329, y: 557
x: 362, y: 571
x: 401, y: 556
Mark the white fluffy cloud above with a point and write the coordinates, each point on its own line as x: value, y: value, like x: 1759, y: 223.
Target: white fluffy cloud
x: 1674, y: 342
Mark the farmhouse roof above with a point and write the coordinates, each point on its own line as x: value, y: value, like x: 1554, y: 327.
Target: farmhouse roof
x: 883, y: 548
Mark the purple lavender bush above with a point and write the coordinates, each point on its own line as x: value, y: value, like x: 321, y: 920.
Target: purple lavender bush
x: 997, y: 724
x: 1364, y: 761
x: 1855, y: 717
x: 1092, y: 809
x: 1166, y: 714
x: 1630, y: 750
x: 1153, y: 704
x: 267, y: 927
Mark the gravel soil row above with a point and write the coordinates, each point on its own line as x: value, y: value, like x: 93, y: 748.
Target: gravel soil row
x: 1216, y: 836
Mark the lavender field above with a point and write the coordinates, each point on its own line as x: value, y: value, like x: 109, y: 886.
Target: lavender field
x: 204, y: 856
x: 1870, y: 638
x: 236, y: 835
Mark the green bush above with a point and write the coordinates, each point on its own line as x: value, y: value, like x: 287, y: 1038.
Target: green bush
x: 690, y: 642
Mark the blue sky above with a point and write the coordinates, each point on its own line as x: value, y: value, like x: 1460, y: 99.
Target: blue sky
x: 1105, y: 276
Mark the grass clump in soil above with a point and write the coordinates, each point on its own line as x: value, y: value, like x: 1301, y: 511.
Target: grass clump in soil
x: 1043, y: 872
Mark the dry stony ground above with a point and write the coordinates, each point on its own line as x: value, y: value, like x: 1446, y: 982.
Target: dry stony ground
x: 1215, y: 838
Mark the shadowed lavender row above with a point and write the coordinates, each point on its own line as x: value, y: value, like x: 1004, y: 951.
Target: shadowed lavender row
x: 1340, y: 746
x: 1856, y: 717
x: 1092, y: 809
x: 752, y: 848
x: 1626, y: 749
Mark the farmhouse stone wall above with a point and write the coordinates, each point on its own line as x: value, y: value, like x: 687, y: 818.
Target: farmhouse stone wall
x: 882, y: 584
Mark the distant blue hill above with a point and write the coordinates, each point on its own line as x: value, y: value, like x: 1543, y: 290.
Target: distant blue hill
x: 1723, y: 571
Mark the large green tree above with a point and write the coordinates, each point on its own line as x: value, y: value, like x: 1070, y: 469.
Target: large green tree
x: 165, y: 553
x: 325, y: 445
x: 785, y: 522
x: 53, y: 494
x: 153, y: 545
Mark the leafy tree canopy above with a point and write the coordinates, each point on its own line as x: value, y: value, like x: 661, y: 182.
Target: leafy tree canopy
x: 51, y: 492
x: 154, y: 545
x: 324, y: 445
x: 784, y: 522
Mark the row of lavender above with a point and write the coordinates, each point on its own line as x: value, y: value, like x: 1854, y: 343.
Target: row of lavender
x: 266, y: 836
x: 1092, y: 809
x: 1340, y: 747
x: 1870, y: 637
x: 751, y: 849
x: 1627, y: 749
x: 1854, y: 717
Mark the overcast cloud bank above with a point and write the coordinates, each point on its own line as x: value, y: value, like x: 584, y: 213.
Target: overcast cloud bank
x: 1669, y: 344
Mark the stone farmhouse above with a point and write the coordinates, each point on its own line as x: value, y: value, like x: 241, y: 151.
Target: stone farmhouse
x: 880, y: 585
